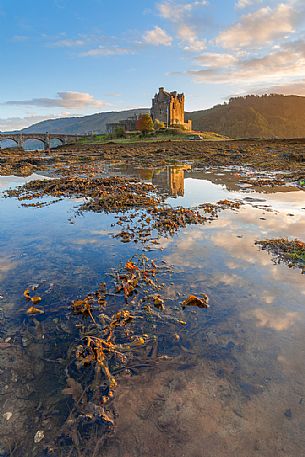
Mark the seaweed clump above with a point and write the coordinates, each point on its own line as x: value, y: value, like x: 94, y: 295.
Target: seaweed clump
x: 119, y: 326
x: 213, y: 209
x: 292, y: 252
x: 111, y: 194
x: 155, y: 222
x: 144, y: 217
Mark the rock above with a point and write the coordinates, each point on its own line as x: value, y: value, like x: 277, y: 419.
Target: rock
x: 288, y: 413
x: 39, y: 436
x: 7, y: 415
x: 192, y: 300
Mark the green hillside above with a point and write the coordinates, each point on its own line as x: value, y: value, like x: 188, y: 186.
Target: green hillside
x: 254, y: 116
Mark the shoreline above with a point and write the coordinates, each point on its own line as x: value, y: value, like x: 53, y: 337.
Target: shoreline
x: 270, y: 155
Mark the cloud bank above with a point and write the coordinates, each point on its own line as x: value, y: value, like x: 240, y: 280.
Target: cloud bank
x: 69, y: 100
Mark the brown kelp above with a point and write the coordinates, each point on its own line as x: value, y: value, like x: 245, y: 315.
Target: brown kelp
x: 119, y: 326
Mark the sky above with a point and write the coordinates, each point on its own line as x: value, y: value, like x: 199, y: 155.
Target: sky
x: 76, y: 57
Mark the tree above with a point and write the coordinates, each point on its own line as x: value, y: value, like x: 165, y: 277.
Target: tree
x: 145, y: 123
x: 158, y: 124
x: 119, y: 132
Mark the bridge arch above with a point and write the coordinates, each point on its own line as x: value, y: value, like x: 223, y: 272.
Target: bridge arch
x: 10, y: 145
x: 56, y: 141
x: 31, y: 144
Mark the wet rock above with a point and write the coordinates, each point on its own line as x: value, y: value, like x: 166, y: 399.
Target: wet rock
x: 39, y: 436
x: 253, y: 199
x: 288, y: 413
x: 249, y: 389
x: 7, y: 415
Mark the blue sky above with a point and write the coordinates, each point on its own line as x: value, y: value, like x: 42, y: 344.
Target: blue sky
x: 75, y: 57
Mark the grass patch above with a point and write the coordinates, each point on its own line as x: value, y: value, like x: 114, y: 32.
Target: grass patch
x: 152, y: 138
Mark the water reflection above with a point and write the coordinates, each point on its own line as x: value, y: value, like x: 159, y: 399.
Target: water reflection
x: 282, y: 321
x: 236, y: 386
x: 13, y: 181
x: 184, y: 185
x: 168, y: 179
x: 171, y: 180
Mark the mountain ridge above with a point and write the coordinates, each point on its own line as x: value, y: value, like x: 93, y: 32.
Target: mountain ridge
x: 252, y: 116
x: 82, y: 124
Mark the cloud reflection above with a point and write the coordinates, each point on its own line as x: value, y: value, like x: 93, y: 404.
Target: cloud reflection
x: 276, y: 319
x: 5, y: 267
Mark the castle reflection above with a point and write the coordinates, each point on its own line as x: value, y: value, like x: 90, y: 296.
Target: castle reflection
x: 169, y: 180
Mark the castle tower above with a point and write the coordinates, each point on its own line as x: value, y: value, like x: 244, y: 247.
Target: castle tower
x: 168, y: 107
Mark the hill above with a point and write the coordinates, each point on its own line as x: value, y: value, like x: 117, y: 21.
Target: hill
x: 267, y: 116
x: 80, y: 125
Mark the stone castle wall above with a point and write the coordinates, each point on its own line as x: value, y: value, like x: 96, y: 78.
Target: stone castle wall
x: 168, y: 107
x: 160, y: 106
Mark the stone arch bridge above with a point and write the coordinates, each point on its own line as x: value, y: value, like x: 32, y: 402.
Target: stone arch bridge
x: 46, y: 138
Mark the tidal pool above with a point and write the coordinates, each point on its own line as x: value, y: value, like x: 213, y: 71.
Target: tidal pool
x: 231, y: 382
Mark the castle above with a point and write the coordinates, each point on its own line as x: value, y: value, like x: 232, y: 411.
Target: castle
x: 128, y: 125
x: 168, y: 107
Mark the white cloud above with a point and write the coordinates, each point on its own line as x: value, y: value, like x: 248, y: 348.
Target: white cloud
x: 260, y: 27
x: 246, y: 3
x: 70, y: 100
x: 283, y: 64
x: 106, y: 51
x: 70, y: 43
x: 157, y: 37
x: 215, y: 60
x: 189, y: 39
x: 288, y: 59
x: 176, y: 11
x: 181, y: 14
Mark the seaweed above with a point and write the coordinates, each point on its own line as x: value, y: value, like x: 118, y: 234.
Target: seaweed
x: 118, y: 328
x: 291, y: 252
x: 114, y: 194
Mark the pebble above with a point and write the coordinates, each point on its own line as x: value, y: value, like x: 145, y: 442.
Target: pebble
x: 7, y: 415
x: 25, y: 341
x: 288, y: 413
x: 39, y: 436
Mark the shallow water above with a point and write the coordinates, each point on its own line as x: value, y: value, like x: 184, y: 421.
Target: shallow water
x: 234, y: 382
